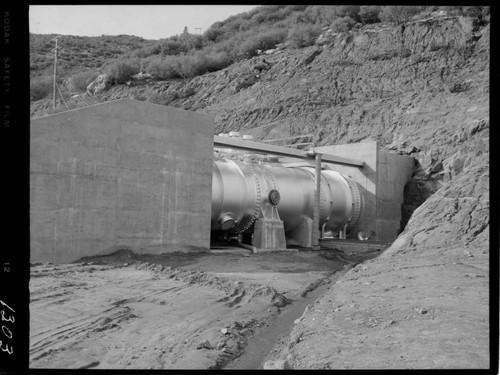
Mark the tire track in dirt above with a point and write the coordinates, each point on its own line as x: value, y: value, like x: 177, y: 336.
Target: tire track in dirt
x: 150, y: 315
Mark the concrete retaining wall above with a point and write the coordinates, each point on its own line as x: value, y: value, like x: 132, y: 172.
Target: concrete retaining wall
x: 122, y: 174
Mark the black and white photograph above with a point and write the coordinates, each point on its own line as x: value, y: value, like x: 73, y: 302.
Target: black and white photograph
x: 291, y: 187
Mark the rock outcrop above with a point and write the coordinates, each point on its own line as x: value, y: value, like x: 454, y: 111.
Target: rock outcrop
x: 100, y: 84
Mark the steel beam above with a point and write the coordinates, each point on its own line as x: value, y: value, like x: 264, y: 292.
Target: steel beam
x: 328, y: 158
x: 282, y: 151
x: 258, y: 147
x: 287, y: 138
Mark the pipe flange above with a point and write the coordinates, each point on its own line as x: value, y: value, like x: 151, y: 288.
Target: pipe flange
x: 245, y: 225
x: 226, y: 222
x: 357, y: 204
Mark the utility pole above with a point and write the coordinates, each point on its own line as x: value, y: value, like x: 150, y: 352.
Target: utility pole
x: 316, y: 234
x: 56, y: 48
x: 198, y: 28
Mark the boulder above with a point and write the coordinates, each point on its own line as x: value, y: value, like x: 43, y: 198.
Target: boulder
x: 101, y: 83
x: 205, y: 345
x: 479, y: 126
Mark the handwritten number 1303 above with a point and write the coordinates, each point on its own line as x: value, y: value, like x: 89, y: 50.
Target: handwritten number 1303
x: 5, y: 330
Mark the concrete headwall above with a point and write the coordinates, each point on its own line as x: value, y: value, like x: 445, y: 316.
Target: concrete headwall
x: 122, y: 174
x: 393, y: 173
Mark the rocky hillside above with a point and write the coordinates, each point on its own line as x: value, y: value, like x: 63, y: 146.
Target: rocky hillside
x: 420, y: 89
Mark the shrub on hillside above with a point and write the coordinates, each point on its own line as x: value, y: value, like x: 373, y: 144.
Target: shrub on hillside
x: 40, y: 87
x: 301, y: 17
x: 80, y: 81
x: 480, y: 14
x: 172, y: 47
x: 369, y: 13
x: 163, y: 69
x: 294, y: 8
x: 348, y: 11
x: 343, y: 24
x: 214, y: 34
x: 147, y: 51
x: 188, y: 66
x: 230, y: 46
x: 191, y: 41
x: 326, y: 14
x: 261, y: 41
x: 303, y: 35
x: 211, y: 62
x: 269, y: 9
x: 201, y: 63
x: 258, y: 18
x: 398, y: 14
x: 121, y: 71
x: 245, y: 25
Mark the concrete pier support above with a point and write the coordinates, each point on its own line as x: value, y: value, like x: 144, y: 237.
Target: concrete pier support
x: 269, y: 234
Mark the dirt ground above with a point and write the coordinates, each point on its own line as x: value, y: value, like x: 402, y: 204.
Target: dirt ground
x: 177, y: 310
x: 407, y: 312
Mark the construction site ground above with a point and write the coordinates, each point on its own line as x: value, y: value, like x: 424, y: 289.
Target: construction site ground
x: 225, y: 309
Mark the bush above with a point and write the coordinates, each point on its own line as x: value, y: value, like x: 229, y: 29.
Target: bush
x: 302, y: 17
x: 245, y: 25
x: 214, y: 34
x: 41, y: 87
x: 188, y: 66
x: 295, y: 8
x: 351, y: 11
x: 369, y: 14
x: 191, y: 41
x: 147, y: 51
x: 164, y: 69
x: 201, y: 63
x: 321, y: 14
x: 230, y: 47
x: 303, y: 35
x: 258, y: 18
x: 121, y: 71
x: 399, y: 14
x: 341, y: 25
x: 80, y: 81
x: 172, y: 47
x: 480, y: 14
x: 211, y: 62
x: 262, y: 41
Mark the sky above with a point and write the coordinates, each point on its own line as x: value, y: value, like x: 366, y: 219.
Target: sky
x: 146, y: 21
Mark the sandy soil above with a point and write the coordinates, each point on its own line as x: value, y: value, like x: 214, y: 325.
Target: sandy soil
x: 171, y: 311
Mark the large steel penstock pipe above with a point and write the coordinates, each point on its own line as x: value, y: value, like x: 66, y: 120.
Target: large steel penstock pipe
x: 240, y: 191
